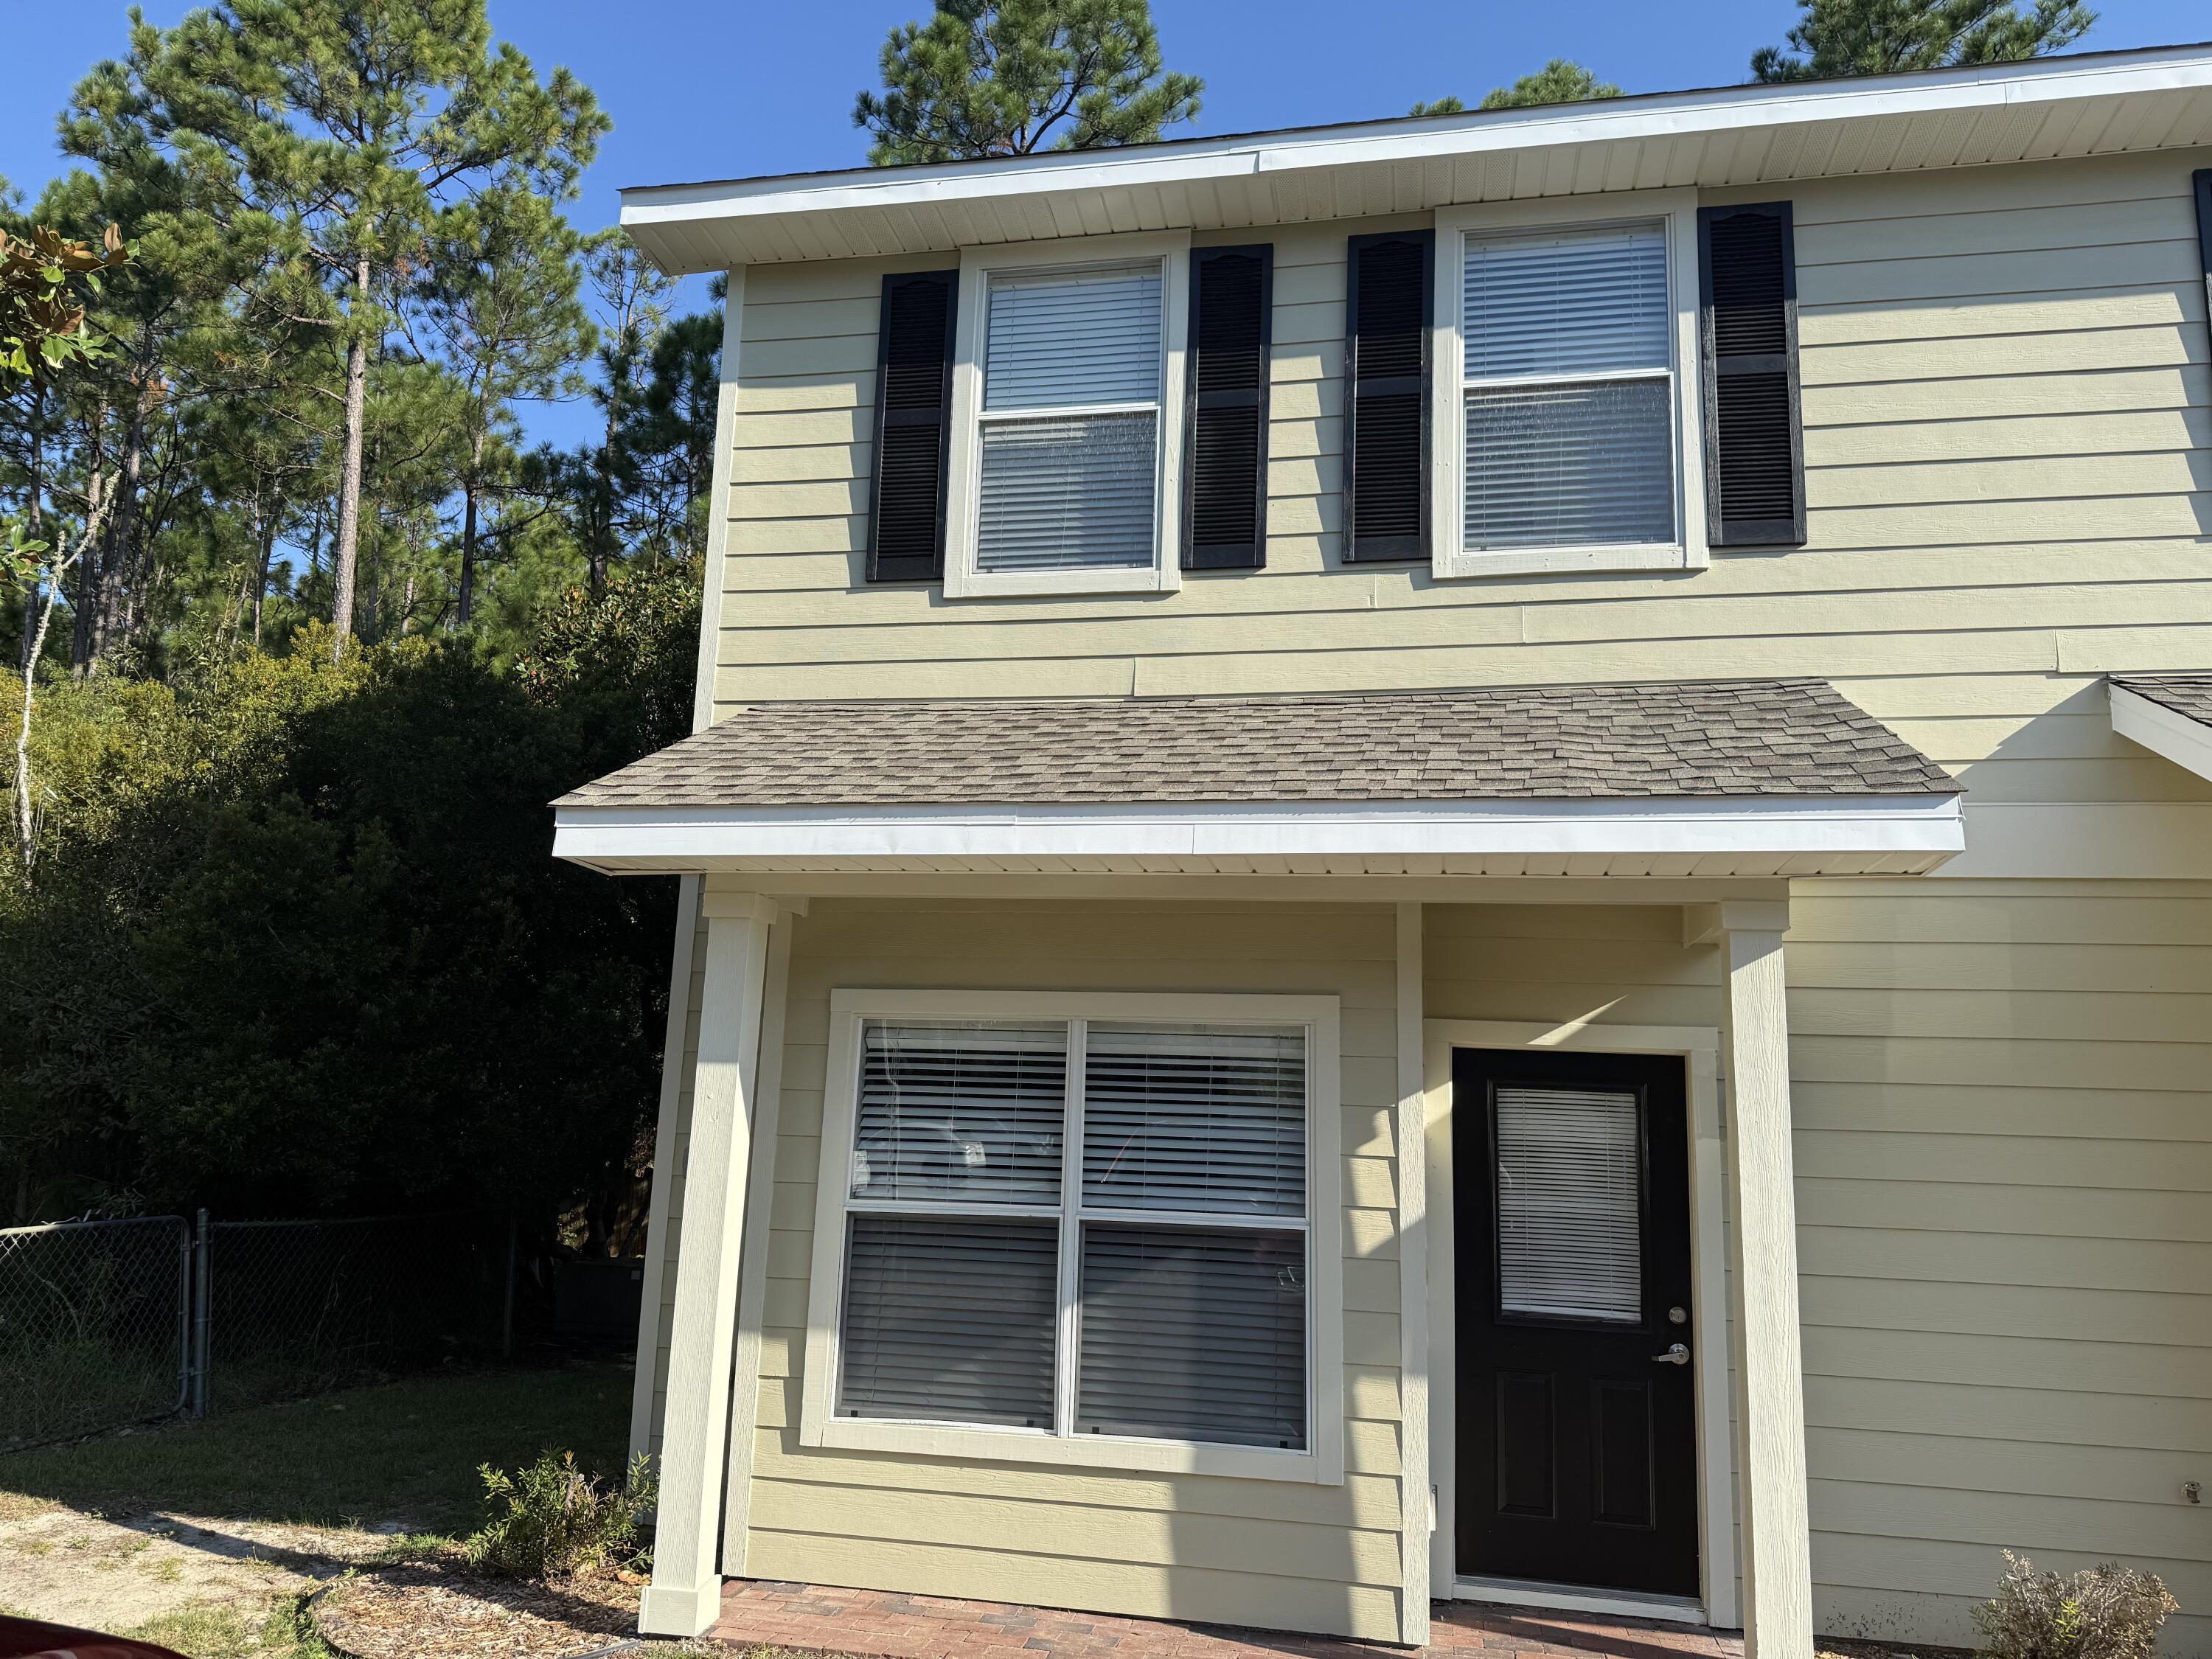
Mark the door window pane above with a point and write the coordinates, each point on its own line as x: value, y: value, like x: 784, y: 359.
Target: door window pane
x: 1570, y: 1191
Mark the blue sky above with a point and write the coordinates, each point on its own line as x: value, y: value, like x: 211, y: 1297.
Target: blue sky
x: 718, y: 89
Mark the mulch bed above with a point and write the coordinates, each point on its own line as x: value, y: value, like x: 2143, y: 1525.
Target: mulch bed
x: 436, y: 1610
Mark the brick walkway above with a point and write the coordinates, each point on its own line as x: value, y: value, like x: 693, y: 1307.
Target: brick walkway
x: 879, y: 1625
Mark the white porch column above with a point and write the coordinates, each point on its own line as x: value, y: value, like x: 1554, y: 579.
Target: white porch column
x: 685, y: 1594
x: 1778, y: 1568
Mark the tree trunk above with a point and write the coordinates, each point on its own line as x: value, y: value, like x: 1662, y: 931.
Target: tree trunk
x: 35, y: 487
x: 119, y: 564
x: 603, y: 539
x: 261, y: 566
x: 26, y: 817
x: 468, y: 526
x: 345, y: 555
x: 88, y: 569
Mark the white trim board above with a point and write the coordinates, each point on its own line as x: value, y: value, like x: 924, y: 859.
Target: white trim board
x: 1700, y: 1047
x: 1738, y: 135
x: 2162, y: 730
x: 1840, y: 831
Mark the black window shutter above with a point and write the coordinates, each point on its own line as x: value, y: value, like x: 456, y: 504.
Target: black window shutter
x: 1754, y: 431
x: 1225, y: 521
x: 2203, y: 179
x: 1388, y: 308
x: 914, y: 428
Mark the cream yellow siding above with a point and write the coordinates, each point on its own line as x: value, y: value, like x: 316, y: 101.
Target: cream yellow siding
x: 2009, y: 397
x: 1243, y: 1551
x: 2003, y: 1094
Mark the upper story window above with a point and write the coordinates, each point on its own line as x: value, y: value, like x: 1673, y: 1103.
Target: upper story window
x: 1566, y: 440
x: 1063, y: 462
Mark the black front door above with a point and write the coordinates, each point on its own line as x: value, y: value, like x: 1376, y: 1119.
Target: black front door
x: 1577, y: 1437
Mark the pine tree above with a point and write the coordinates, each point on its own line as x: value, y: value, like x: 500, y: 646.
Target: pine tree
x: 1560, y: 82
x: 327, y: 137
x: 1006, y: 77
x: 1879, y: 37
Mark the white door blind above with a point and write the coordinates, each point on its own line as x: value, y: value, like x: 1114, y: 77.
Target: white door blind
x: 1569, y: 412
x: 1069, y: 433
x: 968, y: 1113
x: 1569, y: 1192
x: 1190, y: 1119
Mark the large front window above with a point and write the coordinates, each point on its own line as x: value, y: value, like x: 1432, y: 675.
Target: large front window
x: 1076, y: 1229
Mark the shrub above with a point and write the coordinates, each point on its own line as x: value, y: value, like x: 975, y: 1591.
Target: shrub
x: 2106, y: 1611
x: 551, y: 1520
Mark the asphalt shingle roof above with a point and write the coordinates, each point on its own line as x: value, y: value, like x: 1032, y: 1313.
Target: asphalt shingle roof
x: 1788, y: 736
x: 2188, y: 695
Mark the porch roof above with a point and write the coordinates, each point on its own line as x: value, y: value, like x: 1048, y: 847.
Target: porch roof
x: 2170, y: 715
x: 1731, y: 776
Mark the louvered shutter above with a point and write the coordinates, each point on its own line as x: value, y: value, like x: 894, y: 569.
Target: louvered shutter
x: 914, y: 427
x: 1754, y: 441
x: 1388, y: 308
x: 2203, y: 179
x: 1570, y: 1205
x: 1225, y: 418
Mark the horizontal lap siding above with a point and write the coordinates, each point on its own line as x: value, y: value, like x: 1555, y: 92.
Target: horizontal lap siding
x: 1176, y: 1546
x: 2004, y: 1109
x: 2008, y: 449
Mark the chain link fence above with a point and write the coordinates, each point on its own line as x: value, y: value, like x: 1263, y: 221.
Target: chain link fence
x: 107, y: 1323
x: 94, y: 1329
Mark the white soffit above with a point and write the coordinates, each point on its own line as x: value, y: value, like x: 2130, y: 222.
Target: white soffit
x: 2092, y: 104
x: 2163, y: 731
x: 1749, y: 835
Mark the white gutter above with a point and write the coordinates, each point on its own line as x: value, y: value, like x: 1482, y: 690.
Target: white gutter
x: 1663, y: 115
x: 1782, y: 827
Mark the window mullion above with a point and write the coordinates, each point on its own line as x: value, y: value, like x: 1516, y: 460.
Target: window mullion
x: 1071, y: 1242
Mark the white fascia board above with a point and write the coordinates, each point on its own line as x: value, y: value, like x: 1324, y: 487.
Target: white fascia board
x: 2160, y: 730
x: 1664, y: 115
x: 1765, y: 824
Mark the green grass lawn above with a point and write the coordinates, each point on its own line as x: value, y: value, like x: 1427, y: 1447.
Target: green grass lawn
x: 404, y: 1451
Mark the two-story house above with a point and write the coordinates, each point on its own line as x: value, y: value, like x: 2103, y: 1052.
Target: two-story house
x: 1460, y: 857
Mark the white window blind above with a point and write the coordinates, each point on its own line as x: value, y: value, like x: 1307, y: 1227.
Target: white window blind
x: 1182, y: 1247
x: 1070, y: 425
x: 1569, y: 392
x: 1180, y: 1120
x: 1570, y: 1203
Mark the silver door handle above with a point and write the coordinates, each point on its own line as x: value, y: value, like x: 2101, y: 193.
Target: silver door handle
x: 1677, y: 1354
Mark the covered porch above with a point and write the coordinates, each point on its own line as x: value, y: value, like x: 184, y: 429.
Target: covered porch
x: 1518, y: 905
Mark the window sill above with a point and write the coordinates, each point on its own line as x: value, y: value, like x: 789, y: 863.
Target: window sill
x: 1042, y: 584
x: 1538, y: 560
x: 989, y: 1445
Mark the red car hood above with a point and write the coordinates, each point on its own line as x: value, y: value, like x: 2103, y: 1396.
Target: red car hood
x: 27, y: 1638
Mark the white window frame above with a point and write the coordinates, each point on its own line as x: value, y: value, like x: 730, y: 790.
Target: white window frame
x: 1321, y: 1463
x: 1677, y: 211
x: 963, y: 579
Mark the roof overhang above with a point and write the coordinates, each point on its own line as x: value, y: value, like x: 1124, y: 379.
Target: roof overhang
x: 2163, y: 731
x: 2047, y: 108
x: 1738, y: 835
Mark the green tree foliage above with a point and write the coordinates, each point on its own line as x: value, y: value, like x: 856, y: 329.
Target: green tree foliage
x: 1560, y: 82
x: 1879, y: 37
x: 1005, y: 78
x: 298, y: 943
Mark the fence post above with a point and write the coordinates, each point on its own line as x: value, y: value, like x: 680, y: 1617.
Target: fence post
x: 200, y: 1322
x: 507, y: 1303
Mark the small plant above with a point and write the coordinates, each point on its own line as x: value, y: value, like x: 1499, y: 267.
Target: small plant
x: 552, y: 1520
x: 2106, y: 1612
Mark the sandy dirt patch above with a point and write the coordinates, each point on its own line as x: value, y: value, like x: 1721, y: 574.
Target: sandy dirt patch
x: 119, y: 1572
